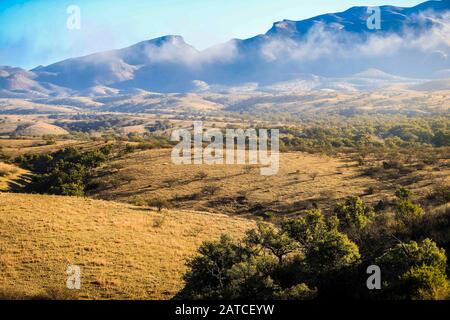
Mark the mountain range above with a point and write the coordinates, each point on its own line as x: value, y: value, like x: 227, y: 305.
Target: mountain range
x: 332, y: 51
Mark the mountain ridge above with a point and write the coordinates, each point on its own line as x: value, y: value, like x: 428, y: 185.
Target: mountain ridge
x: 333, y: 45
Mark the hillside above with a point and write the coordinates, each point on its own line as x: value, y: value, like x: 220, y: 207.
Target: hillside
x: 19, y: 106
x: 40, y: 129
x: 124, y: 251
x: 8, y: 174
x: 304, y: 98
x: 303, y: 181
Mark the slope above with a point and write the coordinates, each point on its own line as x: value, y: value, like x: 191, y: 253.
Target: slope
x: 123, y: 251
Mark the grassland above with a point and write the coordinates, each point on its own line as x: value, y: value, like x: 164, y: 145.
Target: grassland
x: 304, y: 180
x: 125, y: 252
x: 128, y: 251
x: 9, y: 173
x: 16, y: 147
x: 277, y: 99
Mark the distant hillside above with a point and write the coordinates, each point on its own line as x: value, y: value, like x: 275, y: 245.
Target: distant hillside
x: 20, y: 106
x: 435, y: 85
x: 125, y: 252
x: 299, y: 97
x: 39, y: 129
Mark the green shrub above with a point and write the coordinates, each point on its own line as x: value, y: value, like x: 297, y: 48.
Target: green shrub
x: 414, y: 270
x: 159, y: 204
x: 271, y: 262
x: 210, y: 190
x: 407, y: 211
x: 354, y: 214
x: 65, y: 172
x: 403, y: 193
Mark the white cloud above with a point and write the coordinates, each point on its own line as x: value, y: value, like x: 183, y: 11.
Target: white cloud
x: 321, y: 44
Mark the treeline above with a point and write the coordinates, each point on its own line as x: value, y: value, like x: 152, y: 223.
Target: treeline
x: 107, y: 123
x: 316, y: 256
x: 351, y: 134
x: 64, y: 172
x: 94, y: 122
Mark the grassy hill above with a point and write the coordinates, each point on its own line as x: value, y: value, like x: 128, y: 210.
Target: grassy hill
x: 124, y: 251
x: 20, y: 106
x: 302, y: 181
x: 40, y: 129
x: 16, y: 147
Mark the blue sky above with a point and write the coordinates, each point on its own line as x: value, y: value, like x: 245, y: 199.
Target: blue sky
x: 34, y: 32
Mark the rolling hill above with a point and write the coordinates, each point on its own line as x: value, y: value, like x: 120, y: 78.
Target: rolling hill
x: 124, y: 251
x: 39, y: 129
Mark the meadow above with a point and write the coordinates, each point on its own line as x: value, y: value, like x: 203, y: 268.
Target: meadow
x: 124, y: 251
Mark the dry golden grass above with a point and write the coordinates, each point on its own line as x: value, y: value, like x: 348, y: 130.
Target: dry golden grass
x: 124, y: 252
x: 8, y: 173
x: 303, y: 179
x: 16, y: 147
x: 41, y: 129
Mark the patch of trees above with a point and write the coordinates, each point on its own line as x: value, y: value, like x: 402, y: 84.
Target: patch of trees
x: 159, y: 126
x: 94, y: 122
x: 89, y: 125
x: 64, y: 172
x: 315, y: 256
x: 366, y: 132
x: 407, y: 166
x: 147, y: 142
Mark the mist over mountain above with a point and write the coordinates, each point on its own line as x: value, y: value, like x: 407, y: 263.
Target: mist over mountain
x: 333, y: 51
